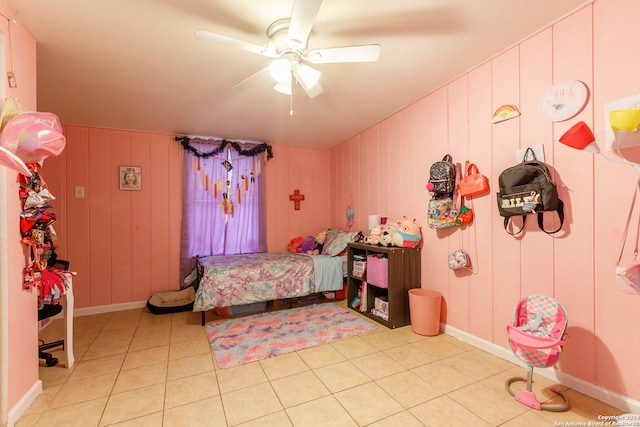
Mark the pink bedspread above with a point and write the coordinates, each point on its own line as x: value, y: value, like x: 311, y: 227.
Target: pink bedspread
x: 243, y: 279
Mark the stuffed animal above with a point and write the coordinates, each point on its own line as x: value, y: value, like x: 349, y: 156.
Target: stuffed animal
x: 294, y: 244
x: 386, y: 235
x: 374, y: 236
x: 407, y: 235
x: 319, y: 238
x: 308, y: 246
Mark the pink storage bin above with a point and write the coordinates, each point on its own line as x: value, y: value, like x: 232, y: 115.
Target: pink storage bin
x: 378, y: 271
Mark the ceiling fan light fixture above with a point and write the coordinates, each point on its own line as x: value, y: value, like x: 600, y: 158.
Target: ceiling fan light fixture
x: 283, y: 87
x: 308, y: 75
x: 288, y: 49
x: 280, y: 70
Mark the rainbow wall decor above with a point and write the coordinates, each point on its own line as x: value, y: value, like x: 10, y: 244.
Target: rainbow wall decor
x: 505, y: 112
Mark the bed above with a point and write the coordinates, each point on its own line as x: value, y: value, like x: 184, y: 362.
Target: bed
x: 233, y: 280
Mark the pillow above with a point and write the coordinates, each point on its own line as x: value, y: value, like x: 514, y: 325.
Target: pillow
x: 330, y: 234
x: 336, y: 241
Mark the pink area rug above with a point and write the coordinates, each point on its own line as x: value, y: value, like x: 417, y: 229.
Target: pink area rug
x: 259, y: 336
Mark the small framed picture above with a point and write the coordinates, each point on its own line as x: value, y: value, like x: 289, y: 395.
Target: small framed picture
x: 130, y: 178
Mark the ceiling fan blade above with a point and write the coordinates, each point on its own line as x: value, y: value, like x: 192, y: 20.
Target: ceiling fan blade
x: 303, y: 16
x: 261, y: 75
x: 363, y: 53
x: 231, y: 42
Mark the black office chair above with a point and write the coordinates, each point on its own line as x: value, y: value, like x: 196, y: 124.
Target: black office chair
x: 50, y: 310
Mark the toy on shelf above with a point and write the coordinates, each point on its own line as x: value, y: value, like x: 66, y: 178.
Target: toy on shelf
x: 407, y: 234
x: 386, y: 235
x: 374, y: 235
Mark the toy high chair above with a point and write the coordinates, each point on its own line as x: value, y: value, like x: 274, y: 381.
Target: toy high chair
x: 536, y: 336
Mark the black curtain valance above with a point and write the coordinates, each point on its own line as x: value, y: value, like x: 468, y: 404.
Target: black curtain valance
x: 254, y: 148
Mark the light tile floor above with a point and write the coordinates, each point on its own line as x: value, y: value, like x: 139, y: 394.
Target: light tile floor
x: 138, y: 369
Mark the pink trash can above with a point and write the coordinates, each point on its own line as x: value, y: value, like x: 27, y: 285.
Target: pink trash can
x: 424, y: 309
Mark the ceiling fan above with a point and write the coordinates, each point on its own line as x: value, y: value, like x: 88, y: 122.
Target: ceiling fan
x: 287, y: 46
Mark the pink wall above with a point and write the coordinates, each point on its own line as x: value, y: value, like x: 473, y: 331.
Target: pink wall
x: 295, y: 168
x: 125, y: 245
x: 385, y: 169
x: 22, y: 314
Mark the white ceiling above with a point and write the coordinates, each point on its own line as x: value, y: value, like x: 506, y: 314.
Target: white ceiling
x: 135, y: 64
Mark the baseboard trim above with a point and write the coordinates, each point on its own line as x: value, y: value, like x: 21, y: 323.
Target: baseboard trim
x: 617, y: 400
x: 24, y: 403
x: 100, y: 309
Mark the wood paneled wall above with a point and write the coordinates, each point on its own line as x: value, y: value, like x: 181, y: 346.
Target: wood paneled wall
x: 125, y: 245
x: 385, y: 169
x: 18, y: 317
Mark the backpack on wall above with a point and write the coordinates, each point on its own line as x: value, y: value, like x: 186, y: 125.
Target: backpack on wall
x: 525, y: 189
x: 442, y: 177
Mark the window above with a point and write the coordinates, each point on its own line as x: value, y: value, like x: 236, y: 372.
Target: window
x: 223, y: 207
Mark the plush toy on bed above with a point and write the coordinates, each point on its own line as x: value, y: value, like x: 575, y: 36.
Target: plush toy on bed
x: 294, y: 244
x: 308, y: 246
x: 407, y: 235
x: 319, y: 241
x: 320, y: 237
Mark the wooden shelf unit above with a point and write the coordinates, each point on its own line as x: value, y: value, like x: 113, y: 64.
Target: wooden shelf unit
x: 403, y: 274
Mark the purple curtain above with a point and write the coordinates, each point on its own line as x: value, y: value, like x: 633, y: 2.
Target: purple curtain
x: 211, y: 183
